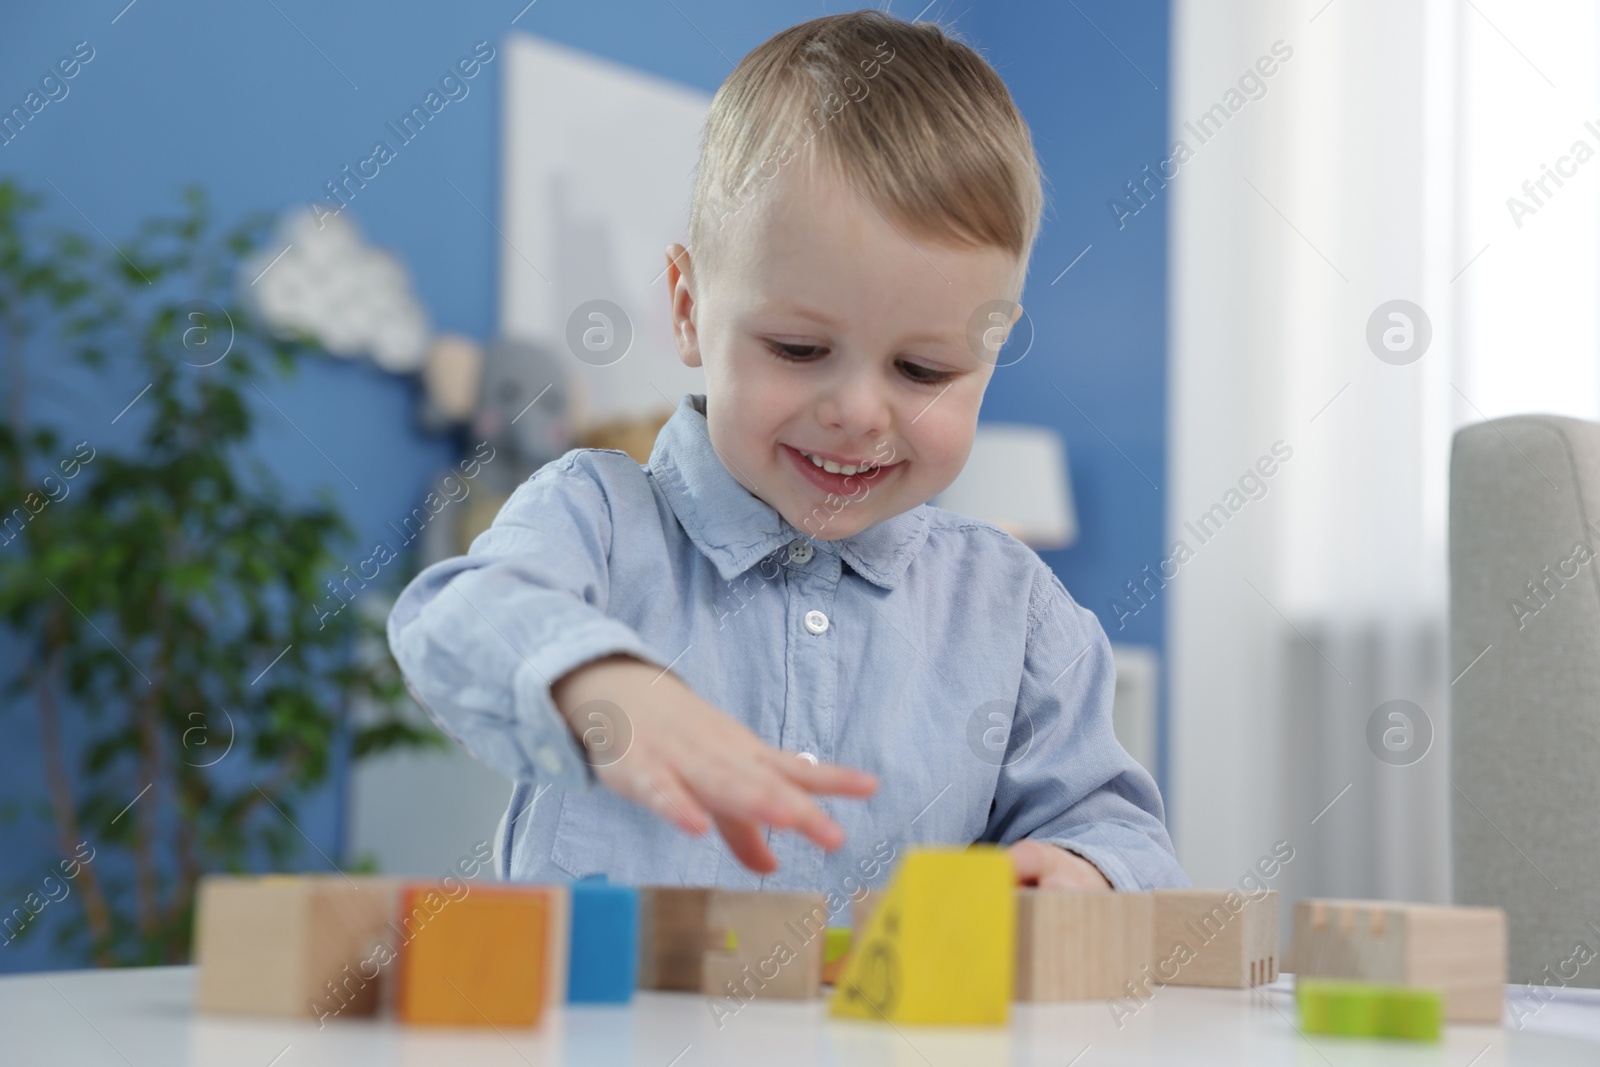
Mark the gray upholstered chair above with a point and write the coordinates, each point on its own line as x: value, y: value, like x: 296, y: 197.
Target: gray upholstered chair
x: 1525, y: 714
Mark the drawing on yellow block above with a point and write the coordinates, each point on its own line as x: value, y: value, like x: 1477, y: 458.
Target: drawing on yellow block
x: 941, y: 946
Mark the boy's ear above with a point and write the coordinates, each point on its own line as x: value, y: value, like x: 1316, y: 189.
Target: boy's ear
x: 680, y: 295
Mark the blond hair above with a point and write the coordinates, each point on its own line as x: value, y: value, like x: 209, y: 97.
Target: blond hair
x: 915, y: 119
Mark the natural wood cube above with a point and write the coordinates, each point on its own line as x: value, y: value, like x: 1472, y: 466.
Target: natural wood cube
x: 1081, y: 945
x: 706, y: 940
x: 1215, y: 937
x: 861, y: 909
x: 672, y: 937
x: 292, y: 945
x: 557, y: 942
x: 1459, y: 951
x: 765, y: 945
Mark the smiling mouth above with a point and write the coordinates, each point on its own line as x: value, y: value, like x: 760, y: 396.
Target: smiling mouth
x: 846, y: 469
x: 830, y: 475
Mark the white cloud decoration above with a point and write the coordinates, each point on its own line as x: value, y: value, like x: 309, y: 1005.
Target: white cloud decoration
x: 352, y: 297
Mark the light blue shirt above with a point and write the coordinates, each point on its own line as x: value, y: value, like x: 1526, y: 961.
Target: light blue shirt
x: 932, y: 650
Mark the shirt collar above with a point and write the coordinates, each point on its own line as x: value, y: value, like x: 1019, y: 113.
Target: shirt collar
x: 736, y: 529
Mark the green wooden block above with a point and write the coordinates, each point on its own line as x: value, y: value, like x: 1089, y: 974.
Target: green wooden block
x: 1361, y: 1009
x: 838, y: 943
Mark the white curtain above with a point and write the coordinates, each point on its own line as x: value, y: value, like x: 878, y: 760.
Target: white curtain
x: 1375, y: 165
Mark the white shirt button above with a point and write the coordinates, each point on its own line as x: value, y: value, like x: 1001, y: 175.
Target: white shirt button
x: 816, y: 622
x: 549, y: 759
x: 809, y: 757
x: 800, y: 550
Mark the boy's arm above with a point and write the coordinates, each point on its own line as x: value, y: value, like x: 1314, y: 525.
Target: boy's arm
x: 483, y: 638
x: 480, y: 638
x: 1067, y: 781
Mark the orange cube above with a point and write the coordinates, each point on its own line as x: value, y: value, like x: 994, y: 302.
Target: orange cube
x: 474, y: 961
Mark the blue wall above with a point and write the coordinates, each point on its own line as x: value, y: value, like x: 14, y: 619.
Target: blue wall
x: 236, y: 98
x: 1095, y: 96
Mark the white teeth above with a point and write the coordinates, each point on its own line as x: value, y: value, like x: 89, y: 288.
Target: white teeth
x: 831, y: 467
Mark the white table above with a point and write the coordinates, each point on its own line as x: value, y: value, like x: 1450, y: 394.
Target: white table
x: 140, y: 1017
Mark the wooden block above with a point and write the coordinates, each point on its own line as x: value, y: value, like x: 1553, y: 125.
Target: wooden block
x: 940, y: 947
x: 1081, y: 945
x: 558, y: 937
x: 1360, y: 1009
x: 672, y: 937
x: 861, y: 910
x: 604, y: 958
x: 1215, y: 937
x: 292, y: 945
x: 835, y: 954
x: 764, y: 945
x: 477, y: 961
x: 685, y: 945
x: 1459, y: 951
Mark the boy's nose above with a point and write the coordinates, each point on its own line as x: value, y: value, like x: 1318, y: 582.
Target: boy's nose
x: 855, y: 408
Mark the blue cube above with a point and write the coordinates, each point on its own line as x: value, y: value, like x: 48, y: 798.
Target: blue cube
x: 603, y: 960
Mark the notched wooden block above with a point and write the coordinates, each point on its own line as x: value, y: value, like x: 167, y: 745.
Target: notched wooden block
x: 1081, y: 945
x: 1215, y: 937
x: 1459, y: 951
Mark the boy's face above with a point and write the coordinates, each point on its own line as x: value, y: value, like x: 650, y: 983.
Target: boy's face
x: 825, y: 332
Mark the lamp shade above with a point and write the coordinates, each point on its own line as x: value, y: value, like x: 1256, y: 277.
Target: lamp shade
x: 1016, y: 477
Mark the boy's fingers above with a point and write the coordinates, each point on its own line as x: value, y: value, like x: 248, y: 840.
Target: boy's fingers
x: 748, y: 843
x: 665, y: 795
x: 829, y: 778
x: 823, y: 831
x: 1028, y: 858
x: 773, y: 801
x: 788, y: 807
x: 1049, y: 867
x: 758, y: 791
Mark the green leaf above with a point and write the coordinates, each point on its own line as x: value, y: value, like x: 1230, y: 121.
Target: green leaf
x: 149, y: 601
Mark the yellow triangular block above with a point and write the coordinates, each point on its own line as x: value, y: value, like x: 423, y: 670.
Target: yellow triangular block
x: 941, y: 947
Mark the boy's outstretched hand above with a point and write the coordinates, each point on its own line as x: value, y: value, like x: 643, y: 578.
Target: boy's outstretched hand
x: 692, y: 764
x: 1052, y: 867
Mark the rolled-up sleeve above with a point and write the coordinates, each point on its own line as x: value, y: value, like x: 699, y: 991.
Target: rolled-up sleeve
x: 1066, y: 780
x: 481, y: 637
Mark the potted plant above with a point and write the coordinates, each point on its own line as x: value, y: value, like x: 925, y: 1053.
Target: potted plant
x: 186, y: 696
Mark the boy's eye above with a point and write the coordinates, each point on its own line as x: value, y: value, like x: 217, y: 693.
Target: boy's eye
x: 916, y: 372
x: 926, y: 375
x: 797, y: 353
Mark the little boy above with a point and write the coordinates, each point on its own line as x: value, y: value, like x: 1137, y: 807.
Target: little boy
x: 766, y: 628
